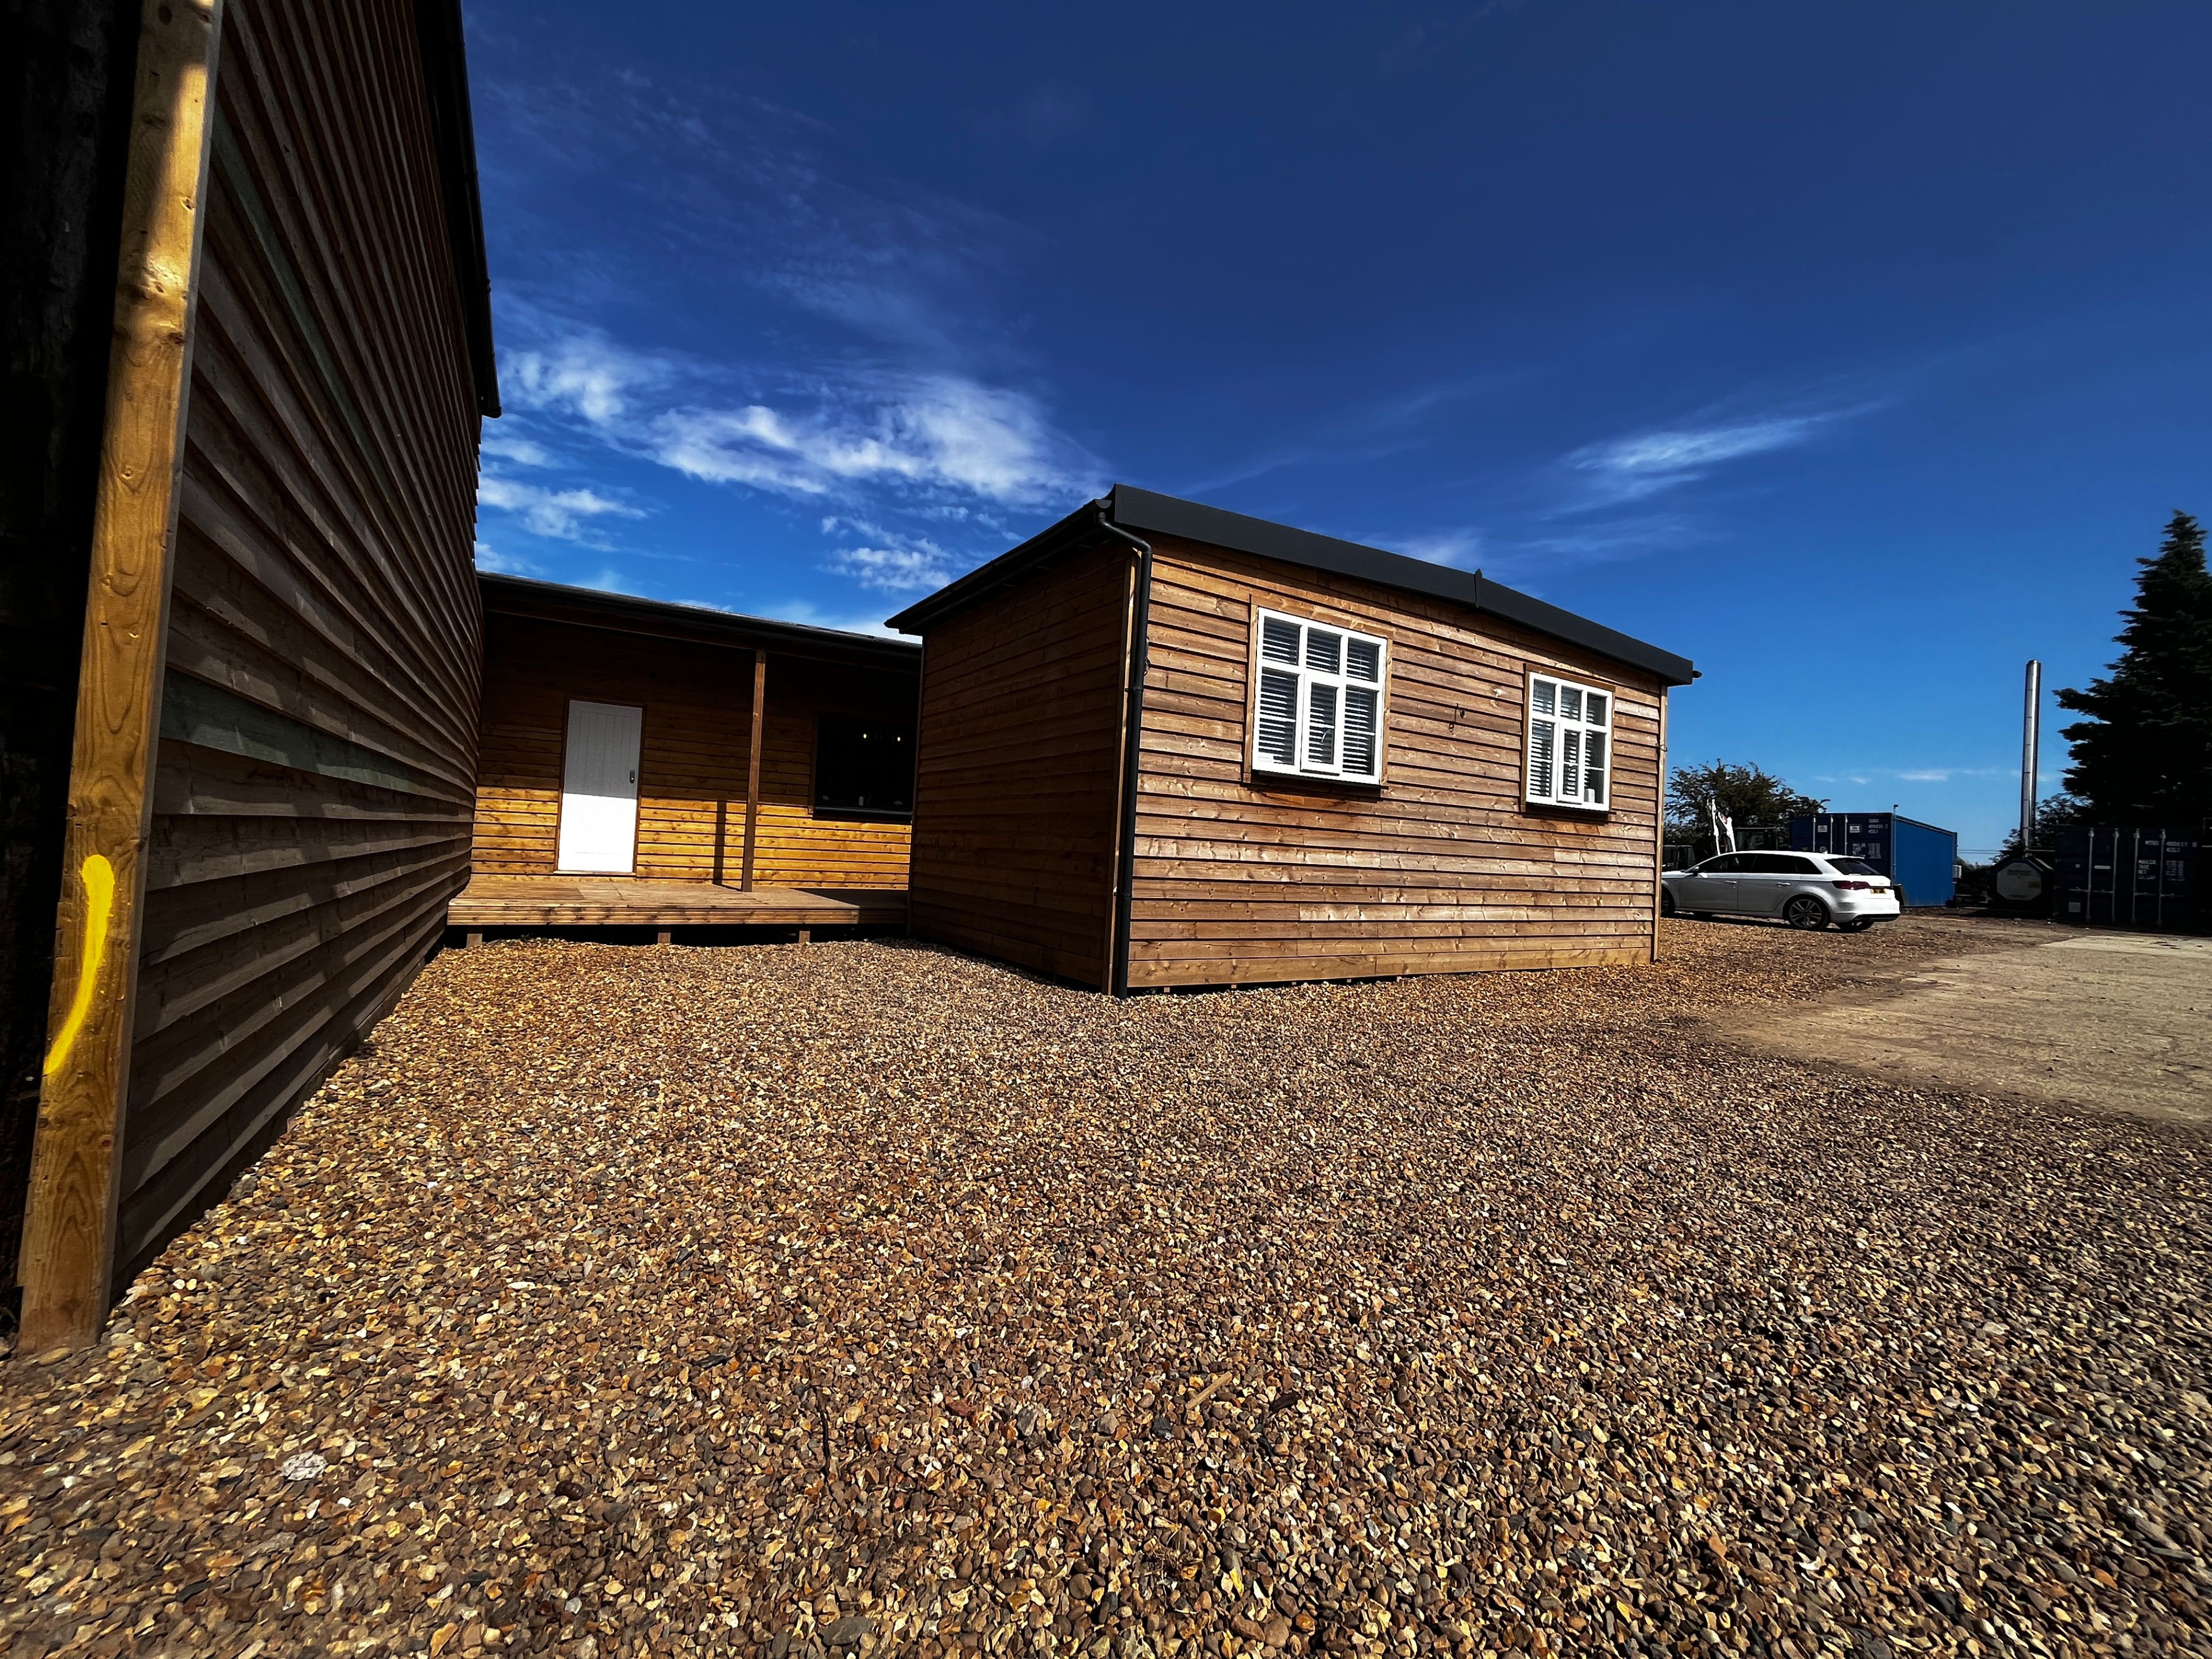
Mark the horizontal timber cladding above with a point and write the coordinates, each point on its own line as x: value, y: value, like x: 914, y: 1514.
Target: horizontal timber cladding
x: 693, y: 757
x: 1442, y: 869
x: 1016, y: 794
x: 313, y: 789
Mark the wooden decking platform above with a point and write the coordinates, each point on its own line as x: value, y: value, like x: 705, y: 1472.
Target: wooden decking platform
x: 634, y: 902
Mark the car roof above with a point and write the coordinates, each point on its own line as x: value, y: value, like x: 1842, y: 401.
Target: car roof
x: 1800, y: 852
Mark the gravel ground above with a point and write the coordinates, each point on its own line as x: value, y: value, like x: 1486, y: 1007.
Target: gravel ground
x: 861, y: 1297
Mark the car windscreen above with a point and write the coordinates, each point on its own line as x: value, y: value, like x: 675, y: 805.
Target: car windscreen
x: 1853, y: 867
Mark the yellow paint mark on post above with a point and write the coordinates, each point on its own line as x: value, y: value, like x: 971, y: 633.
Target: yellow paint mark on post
x: 99, y: 907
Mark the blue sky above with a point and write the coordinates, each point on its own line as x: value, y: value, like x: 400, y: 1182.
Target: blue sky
x: 1854, y: 351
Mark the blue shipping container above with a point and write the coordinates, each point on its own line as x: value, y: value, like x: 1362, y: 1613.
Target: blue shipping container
x: 1918, y: 857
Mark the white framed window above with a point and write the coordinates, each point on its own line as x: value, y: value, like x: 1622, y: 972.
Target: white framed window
x: 1317, y: 699
x: 1570, y: 744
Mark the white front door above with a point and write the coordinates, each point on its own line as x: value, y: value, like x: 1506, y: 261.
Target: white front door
x: 598, y: 788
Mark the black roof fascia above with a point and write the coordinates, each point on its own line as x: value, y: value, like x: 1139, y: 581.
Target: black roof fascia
x: 588, y: 607
x: 1512, y: 605
x: 1004, y: 571
x: 446, y: 78
x: 1143, y: 509
x: 1169, y: 515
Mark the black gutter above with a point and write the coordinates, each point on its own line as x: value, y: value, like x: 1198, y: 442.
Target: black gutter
x: 438, y: 38
x: 1132, y: 737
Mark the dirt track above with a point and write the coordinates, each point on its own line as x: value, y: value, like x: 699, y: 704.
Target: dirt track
x: 2113, y: 1021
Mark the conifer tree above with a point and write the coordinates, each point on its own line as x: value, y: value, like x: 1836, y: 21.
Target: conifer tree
x: 2144, y: 755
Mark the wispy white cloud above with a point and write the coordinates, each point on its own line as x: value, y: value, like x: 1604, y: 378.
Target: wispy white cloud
x: 1629, y: 469
x: 560, y: 514
x: 714, y: 175
x: 1945, y: 774
x: 1918, y: 775
x: 896, y: 569
x: 582, y: 371
x: 1525, y: 558
x: 1644, y: 464
x: 514, y: 446
x: 1453, y: 547
x: 505, y: 564
x: 941, y: 434
x: 942, y: 437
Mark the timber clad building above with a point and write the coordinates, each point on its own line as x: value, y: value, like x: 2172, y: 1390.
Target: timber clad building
x: 241, y: 731
x: 725, y: 769
x: 1162, y: 744
x: 267, y: 734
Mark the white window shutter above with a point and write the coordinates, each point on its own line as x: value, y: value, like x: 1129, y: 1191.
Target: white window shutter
x: 1278, y: 737
x: 1321, y: 724
x: 1360, y: 731
x: 1542, y: 735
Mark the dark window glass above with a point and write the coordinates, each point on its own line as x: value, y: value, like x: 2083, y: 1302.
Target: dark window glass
x: 1728, y: 864
x: 1852, y: 867
x: 864, y: 767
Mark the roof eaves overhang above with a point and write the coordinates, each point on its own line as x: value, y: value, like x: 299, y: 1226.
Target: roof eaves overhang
x: 439, y: 39
x: 588, y: 607
x: 1145, y: 510
x: 1009, y: 568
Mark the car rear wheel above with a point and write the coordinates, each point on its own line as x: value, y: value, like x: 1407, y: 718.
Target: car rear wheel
x: 1805, y: 914
x: 1666, y: 902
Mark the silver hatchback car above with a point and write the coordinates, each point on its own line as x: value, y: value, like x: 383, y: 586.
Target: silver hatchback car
x: 1806, y: 890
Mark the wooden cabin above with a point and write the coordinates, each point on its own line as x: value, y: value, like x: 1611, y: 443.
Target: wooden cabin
x: 668, y: 765
x: 1163, y: 744
x: 242, y: 741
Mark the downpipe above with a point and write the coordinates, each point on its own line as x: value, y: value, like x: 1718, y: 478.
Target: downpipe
x: 1133, y: 727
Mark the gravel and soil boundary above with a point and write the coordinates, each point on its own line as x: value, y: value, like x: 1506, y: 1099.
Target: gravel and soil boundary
x: 869, y: 1298
x: 2106, y: 1021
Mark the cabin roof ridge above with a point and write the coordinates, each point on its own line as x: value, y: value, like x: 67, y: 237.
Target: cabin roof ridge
x: 1132, y: 508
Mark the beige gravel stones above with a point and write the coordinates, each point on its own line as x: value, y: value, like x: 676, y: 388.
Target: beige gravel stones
x: 858, y: 1299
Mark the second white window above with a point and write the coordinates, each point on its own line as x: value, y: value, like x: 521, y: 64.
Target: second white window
x: 1570, y: 733
x: 1317, y: 699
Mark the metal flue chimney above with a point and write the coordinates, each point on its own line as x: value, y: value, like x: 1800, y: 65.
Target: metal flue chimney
x: 2031, y: 745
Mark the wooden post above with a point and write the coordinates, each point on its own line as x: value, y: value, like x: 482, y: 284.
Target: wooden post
x: 753, y: 765
x: 473, y: 940
x: 1659, y: 834
x: 69, y: 1232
